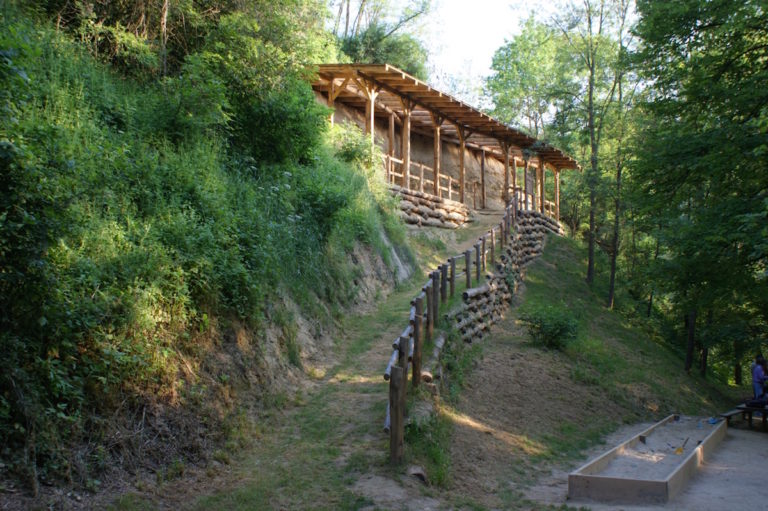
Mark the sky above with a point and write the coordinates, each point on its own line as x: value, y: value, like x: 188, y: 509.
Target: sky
x: 462, y: 36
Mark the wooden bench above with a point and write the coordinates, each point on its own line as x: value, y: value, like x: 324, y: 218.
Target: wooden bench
x: 730, y: 413
x: 749, y: 410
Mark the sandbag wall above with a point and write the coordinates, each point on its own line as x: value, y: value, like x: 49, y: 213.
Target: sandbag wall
x: 418, y: 208
x: 483, y: 305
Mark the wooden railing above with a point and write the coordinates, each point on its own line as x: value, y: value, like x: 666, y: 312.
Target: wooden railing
x: 422, y: 318
x: 532, y: 203
x: 393, y: 168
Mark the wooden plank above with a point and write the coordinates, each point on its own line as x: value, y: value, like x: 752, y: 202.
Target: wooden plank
x: 417, y: 342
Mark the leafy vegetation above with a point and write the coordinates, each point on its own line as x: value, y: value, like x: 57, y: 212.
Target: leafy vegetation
x: 143, y: 211
x: 664, y: 109
x: 552, y: 327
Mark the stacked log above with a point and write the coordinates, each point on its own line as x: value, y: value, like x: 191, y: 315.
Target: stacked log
x: 418, y: 208
x: 484, y: 305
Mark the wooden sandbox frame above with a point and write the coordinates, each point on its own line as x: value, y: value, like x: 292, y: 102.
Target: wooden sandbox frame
x: 586, y: 483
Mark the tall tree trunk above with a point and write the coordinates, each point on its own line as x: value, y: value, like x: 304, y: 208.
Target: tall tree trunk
x: 617, y: 205
x: 346, y: 25
x: 337, y: 25
x: 164, y: 35
x: 737, y: 375
x: 690, y: 324
x: 592, y: 178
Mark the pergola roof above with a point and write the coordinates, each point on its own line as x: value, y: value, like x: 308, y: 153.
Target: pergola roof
x: 429, y: 104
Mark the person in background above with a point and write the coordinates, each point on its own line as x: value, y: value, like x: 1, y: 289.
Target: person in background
x: 759, y: 376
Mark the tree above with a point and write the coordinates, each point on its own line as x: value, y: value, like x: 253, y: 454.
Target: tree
x: 523, y: 69
x: 702, y: 160
x: 586, y: 29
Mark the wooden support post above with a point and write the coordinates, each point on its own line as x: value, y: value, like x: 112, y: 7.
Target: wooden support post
x: 443, y: 283
x: 462, y: 150
x: 477, y: 262
x: 505, y: 149
x: 397, y: 415
x: 437, y: 120
x: 542, y: 174
x: 493, y: 245
x: 435, y: 295
x: 526, y: 192
x: 482, y: 180
x: 468, y: 265
x: 406, y: 142
x: 514, y: 188
x: 557, y: 195
x: 482, y: 251
x: 503, y: 234
x: 417, y: 342
x: 450, y: 187
x: 430, y: 319
x: 371, y: 92
x: 452, y: 262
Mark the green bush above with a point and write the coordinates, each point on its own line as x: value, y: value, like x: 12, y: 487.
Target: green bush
x: 552, y: 327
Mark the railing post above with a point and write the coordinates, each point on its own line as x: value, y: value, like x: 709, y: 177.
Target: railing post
x: 417, y: 342
x: 421, y: 178
x: 493, y: 245
x: 468, y: 263
x: 453, y: 275
x: 396, y: 422
x: 482, y: 252
x: 430, y: 319
x: 477, y: 261
x: 443, y: 283
x: 502, y: 234
x: 435, y: 295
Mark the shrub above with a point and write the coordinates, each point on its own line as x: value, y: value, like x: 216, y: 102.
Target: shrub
x: 553, y: 327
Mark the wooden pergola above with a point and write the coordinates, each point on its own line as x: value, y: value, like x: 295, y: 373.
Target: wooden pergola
x: 384, y: 91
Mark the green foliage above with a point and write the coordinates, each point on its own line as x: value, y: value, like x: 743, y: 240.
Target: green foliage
x: 132, y: 212
x: 700, y: 170
x: 429, y: 443
x: 552, y: 327
x: 378, y: 44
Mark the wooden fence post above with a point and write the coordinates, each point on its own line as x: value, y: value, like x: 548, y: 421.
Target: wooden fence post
x: 436, y: 295
x: 417, y: 342
x: 468, y: 263
x: 477, y: 262
x: 396, y: 423
x: 493, y: 245
x: 443, y: 282
x: 502, y: 234
x: 430, y: 320
x: 482, y: 251
x: 452, y: 261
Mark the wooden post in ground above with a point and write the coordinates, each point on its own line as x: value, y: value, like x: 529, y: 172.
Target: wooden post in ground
x: 477, y: 262
x: 557, y: 195
x: 430, y: 320
x: 505, y: 147
x: 493, y: 245
x: 542, y: 174
x: 406, y: 142
x: 502, y: 234
x: 468, y: 264
x: 396, y: 416
x: 435, y: 295
x: 482, y: 252
x: 525, y: 182
x: 417, y: 342
x: 437, y: 121
x: 452, y: 262
x: 482, y: 180
x: 462, y: 149
x: 443, y: 283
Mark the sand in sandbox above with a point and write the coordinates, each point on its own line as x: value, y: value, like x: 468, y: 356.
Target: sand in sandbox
x: 655, y: 460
